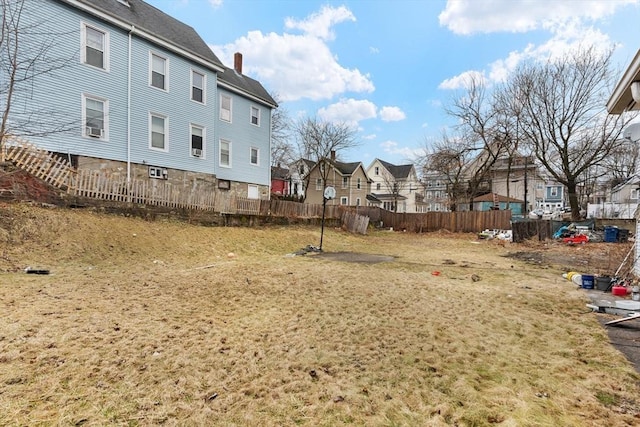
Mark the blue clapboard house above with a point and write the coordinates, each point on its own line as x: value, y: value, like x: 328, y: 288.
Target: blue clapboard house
x: 141, y: 95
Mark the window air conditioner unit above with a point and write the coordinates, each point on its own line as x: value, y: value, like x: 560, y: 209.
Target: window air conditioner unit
x: 94, y: 132
x: 196, y: 152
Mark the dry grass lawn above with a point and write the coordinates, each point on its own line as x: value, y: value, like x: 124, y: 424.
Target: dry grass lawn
x: 149, y: 323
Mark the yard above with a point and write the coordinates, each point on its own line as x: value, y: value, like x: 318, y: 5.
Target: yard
x: 148, y: 323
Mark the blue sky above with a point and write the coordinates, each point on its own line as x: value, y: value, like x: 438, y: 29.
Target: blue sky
x: 389, y: 67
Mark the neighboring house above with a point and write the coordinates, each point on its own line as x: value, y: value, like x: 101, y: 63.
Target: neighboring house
x: 149, y: 99
x: 395, y: 187
x: 626, y: 97
x: 349, y: 180
x: 491, y: 201
x: 515, y: 178
x: 280, y: 181
x: 553, y: 196
x: 623, y: 204
x: 299, y: 173
x: 436, y: 198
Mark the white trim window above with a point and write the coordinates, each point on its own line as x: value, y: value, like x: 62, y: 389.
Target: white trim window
x: 255, y: 116
x: 197, y: 87
x: 358, y: 183
x: 254, y: 156
x: 358, y: 201
x: 344, y: 200
x: 345, y: 181
x: 95, y: 47
x: 197, y: 141
x: 158, y: 71
x: 94, y: 117
x: 158, y: 125
x: 319, y: 184
x: 225, y: 153
x: 225, y: 108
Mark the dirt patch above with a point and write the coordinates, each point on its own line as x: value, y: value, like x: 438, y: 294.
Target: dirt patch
x: 591, y: 258
x: 355, y: 257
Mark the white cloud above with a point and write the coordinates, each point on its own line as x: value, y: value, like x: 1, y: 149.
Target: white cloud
x: 298, y: 66
x: 215, y: 3
x: 462, y: 80
x: 348, y: 111
x: 320, y: 24
x: 393, y: 148
x: 488, y: 16
x: 570, y: 36
x: 392, y: 114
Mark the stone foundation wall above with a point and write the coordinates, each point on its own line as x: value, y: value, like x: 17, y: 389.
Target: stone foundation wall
x: 196, y: 181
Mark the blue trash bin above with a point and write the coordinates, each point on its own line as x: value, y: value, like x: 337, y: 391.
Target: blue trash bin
x: 588, y: 281
x: 610, y: 234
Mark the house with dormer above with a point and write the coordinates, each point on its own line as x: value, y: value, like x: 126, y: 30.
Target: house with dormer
x: 148, y: 98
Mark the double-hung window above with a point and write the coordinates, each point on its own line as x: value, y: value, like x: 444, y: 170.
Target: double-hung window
x: 197, y: 86
x: 158, y: 132
x: 225, y: 153
x: 255, y: 116
x: 345, y: 181
x: 197, y: 139
x: 95, y: 44
x: 318, y: 183
x: 158, y: 72
x: 95, y: 117
x: 254, y: 156
x: 225, y: 108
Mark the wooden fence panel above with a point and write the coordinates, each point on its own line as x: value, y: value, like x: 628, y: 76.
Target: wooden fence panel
x: 355, y: 223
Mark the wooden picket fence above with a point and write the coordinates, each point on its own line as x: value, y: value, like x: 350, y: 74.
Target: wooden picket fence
x: 39, y: 163
x: 98, y: 185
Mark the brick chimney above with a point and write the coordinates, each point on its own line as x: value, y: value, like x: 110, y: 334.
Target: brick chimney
x: 237, y: 62
x: 333, y: 155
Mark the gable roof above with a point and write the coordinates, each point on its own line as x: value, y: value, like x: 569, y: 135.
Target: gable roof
x: 346, y: 168
x: 397, y: 171
x: 279, y: 173
x: 632, y: 180
x: 148, y: 22
x: 233, y: 81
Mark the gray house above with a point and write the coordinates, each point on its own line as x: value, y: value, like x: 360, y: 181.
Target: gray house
x: 148, y: 98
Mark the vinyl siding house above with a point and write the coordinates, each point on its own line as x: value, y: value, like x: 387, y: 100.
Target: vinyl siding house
x: 349, y: 180
x: 623, y: 204
x: 299, y: 175
x: 144, y: 90
x: 395, y: 187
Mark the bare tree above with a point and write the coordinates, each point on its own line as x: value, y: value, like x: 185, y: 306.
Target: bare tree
x: 564, y: 115
x: 321, y: 141
x: 621, y: 163
x: 393, y: 186
x: 448, y: 159
x: 282, y: 149
x: 480, y: 132
x: 28, y: 50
